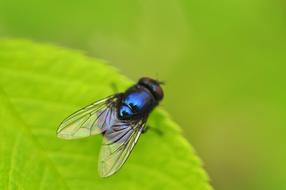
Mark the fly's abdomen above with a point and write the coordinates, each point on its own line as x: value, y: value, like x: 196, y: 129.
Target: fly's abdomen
x: 136, y: 101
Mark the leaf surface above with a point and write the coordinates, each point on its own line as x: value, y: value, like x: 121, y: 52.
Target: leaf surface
x: 40, y: 85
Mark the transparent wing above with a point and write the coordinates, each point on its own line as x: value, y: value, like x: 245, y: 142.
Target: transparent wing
x: 91, y: 120
x: 118, y: 142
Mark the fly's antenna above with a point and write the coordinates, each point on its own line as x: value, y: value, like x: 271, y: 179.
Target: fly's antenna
x: 162, y: 82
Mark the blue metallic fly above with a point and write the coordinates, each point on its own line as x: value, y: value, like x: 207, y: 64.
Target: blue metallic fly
x: 120, y: 118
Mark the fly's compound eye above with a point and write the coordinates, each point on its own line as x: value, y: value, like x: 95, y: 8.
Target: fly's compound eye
x: 153, y: 86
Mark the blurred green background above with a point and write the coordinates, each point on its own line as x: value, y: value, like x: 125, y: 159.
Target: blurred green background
x: 223, y: 61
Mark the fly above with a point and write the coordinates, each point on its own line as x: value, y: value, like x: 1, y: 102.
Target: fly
x: 120, y: 118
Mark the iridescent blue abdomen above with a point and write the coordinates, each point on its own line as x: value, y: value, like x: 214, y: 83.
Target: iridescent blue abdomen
x: 137, y: 101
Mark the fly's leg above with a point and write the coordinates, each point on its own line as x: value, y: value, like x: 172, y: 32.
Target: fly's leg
x: 156, y: 130
x: 145, y: 129
x: 114, y: 88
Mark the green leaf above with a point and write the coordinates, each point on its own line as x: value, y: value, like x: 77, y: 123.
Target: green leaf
x: 42, y: 84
